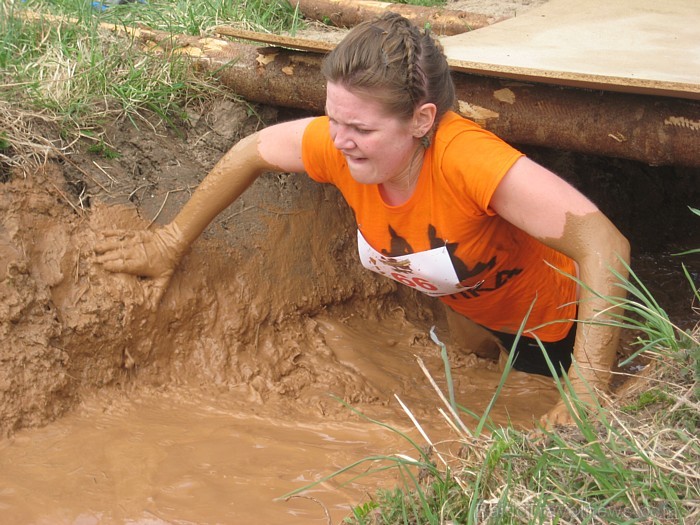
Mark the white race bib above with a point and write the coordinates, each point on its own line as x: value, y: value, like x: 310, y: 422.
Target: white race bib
x: 430, y: 272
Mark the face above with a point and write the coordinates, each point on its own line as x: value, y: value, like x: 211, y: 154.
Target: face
x: 378, y: 147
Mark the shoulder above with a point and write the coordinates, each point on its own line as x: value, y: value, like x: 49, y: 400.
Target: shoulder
x: 317, y: 126
x: 322, y: 160
x: 454, y: 126
x: 316, y: 134
x: 461, y: 141
x: 470, y: 159
x: 280, y: 145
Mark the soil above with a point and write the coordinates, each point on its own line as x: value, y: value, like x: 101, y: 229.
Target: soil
x: 280, y: 255
x: 245, y: 312
x: 70, y: 328
x: 495, y: 8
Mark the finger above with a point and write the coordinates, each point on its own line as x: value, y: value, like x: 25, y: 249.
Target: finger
x: 112, y: 233
x: 121, y: 266
x: 124, y: 235
x: 112, y: 256
x: 118, y: 233
x: 116, y: 243
x: 108, y: 245
x: 124, y: 262
x: 117, y: 240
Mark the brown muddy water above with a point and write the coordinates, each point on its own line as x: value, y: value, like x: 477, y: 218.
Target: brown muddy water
x: 184, y: 455
x: 181, y: 455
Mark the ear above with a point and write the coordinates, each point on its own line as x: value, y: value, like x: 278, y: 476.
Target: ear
x: 423, y: 119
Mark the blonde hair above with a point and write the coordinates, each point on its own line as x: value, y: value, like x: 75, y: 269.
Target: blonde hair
x: 390, y: 60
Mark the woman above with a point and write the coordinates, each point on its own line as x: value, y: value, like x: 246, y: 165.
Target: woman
x: 441, y: 205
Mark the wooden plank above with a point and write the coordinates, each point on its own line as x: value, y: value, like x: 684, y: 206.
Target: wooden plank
x: 639, y: 46
x: 302, y: 44
x: 634, y: 46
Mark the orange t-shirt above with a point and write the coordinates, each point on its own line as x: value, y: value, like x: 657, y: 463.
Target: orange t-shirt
x: 450, y: 207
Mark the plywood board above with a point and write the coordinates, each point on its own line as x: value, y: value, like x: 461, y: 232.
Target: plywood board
x: 641, y: 46
x: 302, y: 44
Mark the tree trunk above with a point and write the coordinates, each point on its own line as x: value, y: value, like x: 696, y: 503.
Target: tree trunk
x: 349, y: 13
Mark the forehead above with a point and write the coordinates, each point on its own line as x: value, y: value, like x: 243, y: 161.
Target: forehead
x: 350, y: 107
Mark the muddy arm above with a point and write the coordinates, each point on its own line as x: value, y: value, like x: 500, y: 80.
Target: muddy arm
x: 155, y: 253
x: 598, y: 247
x: 277, y: 148
x: 548, y: 208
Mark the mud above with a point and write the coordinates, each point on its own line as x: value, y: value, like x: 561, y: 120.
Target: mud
x: 187, y: 454
x: 227, y: 396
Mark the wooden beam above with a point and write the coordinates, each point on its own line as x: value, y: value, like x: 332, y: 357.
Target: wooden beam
x: 301, y: 44
x: 652, y: 129
x: 349, y: 13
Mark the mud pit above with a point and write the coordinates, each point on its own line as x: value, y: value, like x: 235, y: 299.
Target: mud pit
x: 218, y: 402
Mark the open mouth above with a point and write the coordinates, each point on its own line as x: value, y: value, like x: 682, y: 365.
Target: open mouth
x: 352, y: 159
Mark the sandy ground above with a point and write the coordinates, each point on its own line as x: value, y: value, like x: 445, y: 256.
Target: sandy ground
x: 495, y: 8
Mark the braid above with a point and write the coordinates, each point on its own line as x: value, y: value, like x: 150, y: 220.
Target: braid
x: 390, y: 59
x: 413, y: 80
x: 402, y: 46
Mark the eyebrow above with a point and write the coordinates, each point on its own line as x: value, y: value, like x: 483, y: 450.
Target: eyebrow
x: 355, y: 124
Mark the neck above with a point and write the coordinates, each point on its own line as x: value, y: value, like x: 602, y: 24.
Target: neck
x: 399, y: 189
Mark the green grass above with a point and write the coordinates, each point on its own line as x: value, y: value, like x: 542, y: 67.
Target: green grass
x: 183, y: 16
x: 84, y: 76
x: 615, y: 467
x: 69, y: 67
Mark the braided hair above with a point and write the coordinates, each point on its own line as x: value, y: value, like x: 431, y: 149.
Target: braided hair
x: 392, y: 61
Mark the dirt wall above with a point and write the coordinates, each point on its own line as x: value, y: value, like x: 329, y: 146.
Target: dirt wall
x: 235, y: 316
x: 239, y: 312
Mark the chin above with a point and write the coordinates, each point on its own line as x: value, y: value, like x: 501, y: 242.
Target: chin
x: 362, y: 177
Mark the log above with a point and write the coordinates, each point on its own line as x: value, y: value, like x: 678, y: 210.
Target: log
x: 349, y: 13
x: 651, y: 129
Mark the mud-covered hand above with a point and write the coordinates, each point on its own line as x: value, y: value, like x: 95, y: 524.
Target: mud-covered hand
x: 564, y: 413
x: 144, y: 253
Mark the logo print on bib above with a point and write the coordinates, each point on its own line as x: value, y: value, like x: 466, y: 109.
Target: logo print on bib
x: 430, y: 272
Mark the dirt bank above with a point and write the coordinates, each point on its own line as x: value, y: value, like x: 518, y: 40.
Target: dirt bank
x: 236, y: 315
x: 240, y: 311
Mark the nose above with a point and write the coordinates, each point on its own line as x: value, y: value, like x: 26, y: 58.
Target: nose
x: 341, y: 136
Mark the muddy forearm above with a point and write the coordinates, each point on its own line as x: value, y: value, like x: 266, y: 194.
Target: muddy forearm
x: 596, y: 341
x: 229, y: 178
x: 595, y: 346
x: 598, y: 248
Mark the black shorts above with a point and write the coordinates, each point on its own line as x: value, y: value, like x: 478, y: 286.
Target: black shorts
x: 528, y: 354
